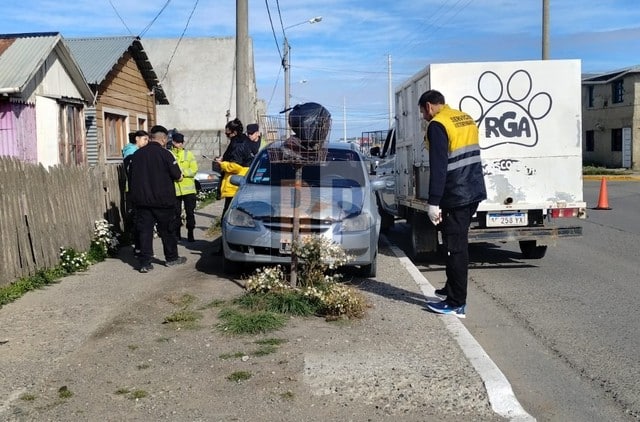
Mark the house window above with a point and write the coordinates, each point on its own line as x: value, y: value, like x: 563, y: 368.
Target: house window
x: 142, y: 123
x: 590, y: 96
x: 115, y: 134
x: 589, y: 141
x: 616, y: 139
x: 71, y: 146
x: 616, y: 95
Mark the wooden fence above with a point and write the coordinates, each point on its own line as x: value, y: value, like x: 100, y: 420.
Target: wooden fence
x: 42, y: 210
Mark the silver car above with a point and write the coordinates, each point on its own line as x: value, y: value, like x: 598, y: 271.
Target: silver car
x: 336, y: 200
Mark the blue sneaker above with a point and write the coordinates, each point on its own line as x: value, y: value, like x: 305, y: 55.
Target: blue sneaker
x: 444, y: 308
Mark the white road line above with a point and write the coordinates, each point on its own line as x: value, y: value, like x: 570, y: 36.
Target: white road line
x: 503, y: 400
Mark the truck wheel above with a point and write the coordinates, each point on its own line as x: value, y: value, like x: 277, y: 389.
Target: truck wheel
x: 531, y: 250
x: 386, y: 221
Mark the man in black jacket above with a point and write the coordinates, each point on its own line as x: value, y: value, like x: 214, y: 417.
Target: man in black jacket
x: 153, y: 173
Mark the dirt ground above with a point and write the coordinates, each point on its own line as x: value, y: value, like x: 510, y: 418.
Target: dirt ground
x: 95, y: 347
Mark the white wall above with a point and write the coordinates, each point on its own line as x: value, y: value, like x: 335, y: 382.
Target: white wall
x: 47, y: 129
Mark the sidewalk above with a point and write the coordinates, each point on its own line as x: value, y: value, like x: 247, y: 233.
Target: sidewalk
x: 101, y: 333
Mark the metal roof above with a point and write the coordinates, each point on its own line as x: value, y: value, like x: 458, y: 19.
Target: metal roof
x: 98, y: 56
x: 606, y: 77
x: 23, y: 55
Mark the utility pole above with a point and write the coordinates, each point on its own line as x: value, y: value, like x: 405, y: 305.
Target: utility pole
x: 390, y: 91
x: 243, y: 96
x: 545, y: 29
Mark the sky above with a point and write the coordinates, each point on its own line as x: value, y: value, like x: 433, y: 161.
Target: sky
x: 361, y: 49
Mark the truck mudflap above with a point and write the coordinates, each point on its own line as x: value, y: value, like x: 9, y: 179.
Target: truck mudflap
x: 543, y: 235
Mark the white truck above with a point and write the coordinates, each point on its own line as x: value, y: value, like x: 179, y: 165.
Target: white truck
x: 529, y: 119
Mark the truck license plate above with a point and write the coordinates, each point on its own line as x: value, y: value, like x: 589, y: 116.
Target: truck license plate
x: 507, y: 219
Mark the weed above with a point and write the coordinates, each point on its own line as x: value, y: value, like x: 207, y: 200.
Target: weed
x: 183, y: 315
x: 64, y: 392
x: 272, y: 341
x: 264, y: 350
x: 143, y: 366
x: 27, y: 397
x: 183, y: 301
x: 236, y: 322
x: 163, y: 339
x: 122, y: 391
x: 20, y: 287
x: 235, y: 355
x: 595, y: 170
x: 287, y: 395
x: 215, y: 228
x: 138, y: 394
x: 133, y: 346
x: 216, y: 303
x: 239, y: 376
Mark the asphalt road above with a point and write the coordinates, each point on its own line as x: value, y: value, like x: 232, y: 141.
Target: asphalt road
x: 564, y: 329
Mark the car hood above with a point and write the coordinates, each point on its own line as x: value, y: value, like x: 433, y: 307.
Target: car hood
x: 315, y: 202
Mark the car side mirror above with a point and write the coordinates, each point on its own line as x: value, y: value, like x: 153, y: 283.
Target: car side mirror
x: 374, y: 151
x: 378, y: 184
x: 236, y: 180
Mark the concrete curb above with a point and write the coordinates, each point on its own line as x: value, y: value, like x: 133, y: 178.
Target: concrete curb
x: 612, y: 177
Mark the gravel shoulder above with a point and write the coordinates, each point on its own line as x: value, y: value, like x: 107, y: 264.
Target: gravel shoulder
x: 100, y: 335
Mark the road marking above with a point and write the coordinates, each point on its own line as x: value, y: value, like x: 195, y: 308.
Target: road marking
x: 503, y: 400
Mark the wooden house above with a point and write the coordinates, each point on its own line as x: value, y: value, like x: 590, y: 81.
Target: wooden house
x: 126, y: 89
x: 43, y: 95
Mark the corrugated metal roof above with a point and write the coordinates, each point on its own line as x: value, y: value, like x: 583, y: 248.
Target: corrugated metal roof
x: 23, y: 57
x: 97, y: 56
x: 606, y: 77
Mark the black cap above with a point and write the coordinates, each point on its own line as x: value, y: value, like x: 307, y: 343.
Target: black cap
x: 177, y: 137
x: 141, y: 133
x: 132, y: 137
x: 252, y: 128
x: 158, y: 128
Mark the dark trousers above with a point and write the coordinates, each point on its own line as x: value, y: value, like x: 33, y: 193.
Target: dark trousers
x: 130, y: 225
x: 455, y: 233
x: 164, y: 219
x: 189, y: 209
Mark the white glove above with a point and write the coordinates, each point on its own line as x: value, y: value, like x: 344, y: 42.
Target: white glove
x: 435, y: 215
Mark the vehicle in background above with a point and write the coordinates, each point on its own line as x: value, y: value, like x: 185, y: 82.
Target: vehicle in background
x: 529, y: 119
x: 208, y: 181
x: 336, y: 201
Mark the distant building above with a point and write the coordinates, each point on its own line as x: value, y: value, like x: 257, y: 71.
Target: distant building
x: 43, y: 96
x: 126, y: 91
x: 611, y: 118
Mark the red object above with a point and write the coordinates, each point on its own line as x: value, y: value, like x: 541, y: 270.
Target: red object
x: 603, y: 199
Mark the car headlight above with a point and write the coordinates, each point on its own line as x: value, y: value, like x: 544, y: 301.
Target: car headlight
x: 240, y: 218
x: 358, y: 223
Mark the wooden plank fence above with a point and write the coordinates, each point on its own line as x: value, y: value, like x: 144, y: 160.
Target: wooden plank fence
x: 42, y: 210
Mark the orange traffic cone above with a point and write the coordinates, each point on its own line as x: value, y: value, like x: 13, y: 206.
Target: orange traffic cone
x: 603, y: 199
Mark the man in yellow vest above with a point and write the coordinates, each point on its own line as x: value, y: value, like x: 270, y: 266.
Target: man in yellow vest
x: 456, y: 187
x: 186, y: 188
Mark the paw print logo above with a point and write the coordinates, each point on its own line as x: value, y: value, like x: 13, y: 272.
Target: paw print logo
x: 507, y: 115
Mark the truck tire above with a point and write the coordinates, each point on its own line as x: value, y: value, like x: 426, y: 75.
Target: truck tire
x: 387, y: 221
x: 531, y: 250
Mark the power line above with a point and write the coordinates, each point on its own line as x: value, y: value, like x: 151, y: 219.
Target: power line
x: 273, y: 31
x: 144, y: 31
x: 120, y: 17
x: 166, y: 71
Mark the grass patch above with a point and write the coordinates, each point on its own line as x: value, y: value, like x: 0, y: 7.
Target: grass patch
x: 596, y: 170
x: 183, y: 315
x: 264, y: 350
x: 235, y: 355
x: 27, y: 397
x: 122, y: 391
x: 183, y: 301
x: 283, y: 302
x: 138, y: 394
x: 272, y: 341
x: 239, y: 376
x: 143, y: 366
x: 236, y: 322
x: 133, y: 346
x: 20, y: 287
x: 216, y: 303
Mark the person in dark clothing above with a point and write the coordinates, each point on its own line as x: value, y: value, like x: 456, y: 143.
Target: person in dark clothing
x: 137, y: 140
x: 456, y: 188
x: 235, y: 160
x: 153, y: 172
x: 253, y: 134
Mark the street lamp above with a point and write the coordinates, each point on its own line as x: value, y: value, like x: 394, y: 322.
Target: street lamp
x: 286, y: 65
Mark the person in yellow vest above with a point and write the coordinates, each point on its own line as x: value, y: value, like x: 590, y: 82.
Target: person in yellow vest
x: 456, y: 188
x: 186, y: 188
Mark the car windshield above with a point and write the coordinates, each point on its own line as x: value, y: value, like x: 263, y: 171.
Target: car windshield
x: 342, y: 168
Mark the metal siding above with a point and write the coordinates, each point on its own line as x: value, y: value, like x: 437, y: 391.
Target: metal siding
x: 92, y: 135
x: 18, y: 131
x: 23, y: 57
x: 97, y: 56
